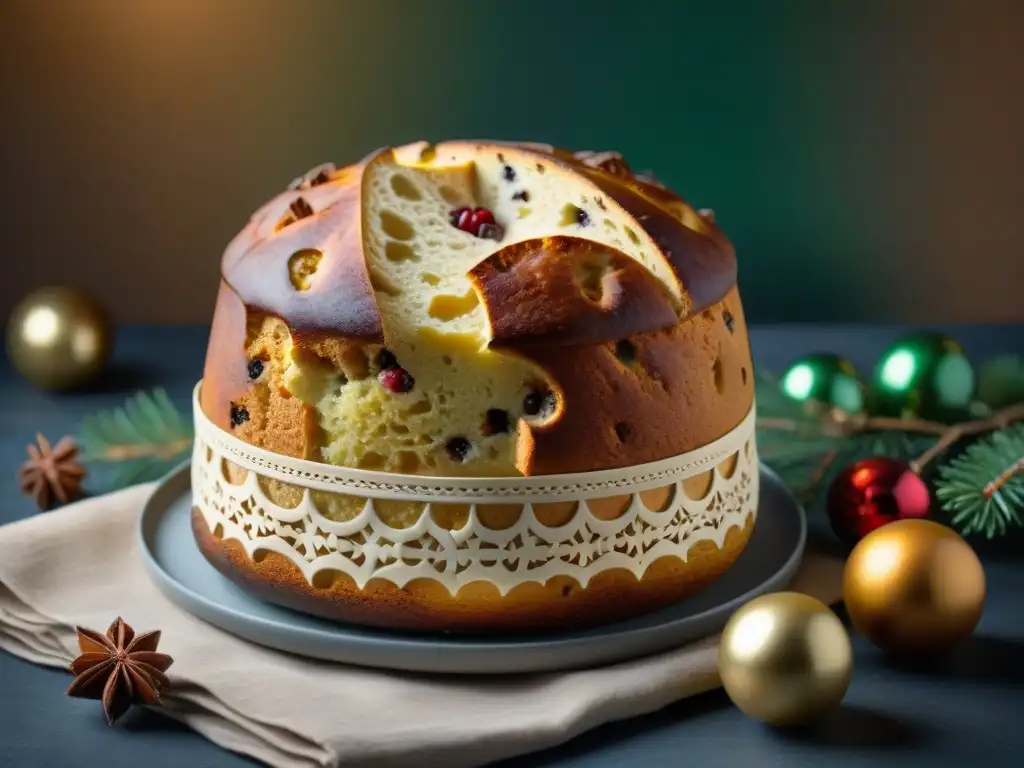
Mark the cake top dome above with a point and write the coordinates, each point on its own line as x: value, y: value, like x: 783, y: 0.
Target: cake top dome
x: 339, y: 231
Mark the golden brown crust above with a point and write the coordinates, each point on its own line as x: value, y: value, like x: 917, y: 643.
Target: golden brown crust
x: 568, y: 290
x: 704, y: 261
x: 645, y: 398
x: 225, y: 378
x: 701, y: 256
x: 325, y: 219
x: 426, y: 605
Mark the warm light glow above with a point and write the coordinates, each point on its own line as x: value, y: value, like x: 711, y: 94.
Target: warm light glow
x: 863, y: 476
x: 753, y: 633
x: 42, y: 326
x: 881, y: 560
x: 798, y: 381
x: 84, y: 344
x: 899, y: 369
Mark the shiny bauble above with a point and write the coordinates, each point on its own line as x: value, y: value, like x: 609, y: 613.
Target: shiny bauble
x: 785, y: 659
x: 59, y: 338
x: 824, y: 382
x: 1001, y: 381
x: 924, y: 375
x: 914, y: 586
x: 872, y: 493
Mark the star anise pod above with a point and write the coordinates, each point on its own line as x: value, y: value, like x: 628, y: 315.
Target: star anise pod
x: 119, y: 668
x: 52, y: 473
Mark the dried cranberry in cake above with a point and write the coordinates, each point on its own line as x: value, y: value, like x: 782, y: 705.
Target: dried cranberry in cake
x: 478, y: 222
x: 539, y: 403
x: 490, y: 232
x: 461, y: 218
x: 397, y: 380
x: 386, y: 359
x: 730, y: 321
x: 255, y: 368
x: 239, y: 414
x: 482, y: 216
x: 496, y: 422
x: 457, y: 448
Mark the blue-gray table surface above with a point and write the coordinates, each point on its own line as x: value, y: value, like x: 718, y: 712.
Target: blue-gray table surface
x: 960, y: 709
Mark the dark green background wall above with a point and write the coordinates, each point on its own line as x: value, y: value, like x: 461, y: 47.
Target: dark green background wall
x: 866, y: 158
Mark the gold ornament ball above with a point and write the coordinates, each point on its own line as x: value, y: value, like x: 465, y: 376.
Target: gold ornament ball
x: 59, y: 338
x: 785, y: 658
x: 914, y: 586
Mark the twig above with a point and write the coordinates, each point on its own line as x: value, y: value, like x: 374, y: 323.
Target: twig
x: 1003, y: 478
x: 997, y: 420
x: 947, y: 434
x: 142, y: 451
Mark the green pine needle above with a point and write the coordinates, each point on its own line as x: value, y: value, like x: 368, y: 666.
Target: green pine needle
x: 983, y: 488
x: 809, y: 456
x: 141, y: 441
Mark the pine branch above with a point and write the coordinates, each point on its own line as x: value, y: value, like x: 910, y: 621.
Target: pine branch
x: 811, y: 450
x: 143, y: 439
x: 982, y: 489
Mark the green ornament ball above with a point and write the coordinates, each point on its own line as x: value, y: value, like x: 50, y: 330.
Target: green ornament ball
x: 924, y: 375
x: 824, y: 382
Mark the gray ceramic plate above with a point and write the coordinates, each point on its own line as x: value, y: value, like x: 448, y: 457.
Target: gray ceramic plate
x: 180, y: 571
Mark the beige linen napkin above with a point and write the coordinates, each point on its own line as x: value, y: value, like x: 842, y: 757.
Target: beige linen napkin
x: 80, y: 565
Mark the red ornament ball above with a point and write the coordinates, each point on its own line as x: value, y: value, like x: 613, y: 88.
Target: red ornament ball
x: 873, y: 492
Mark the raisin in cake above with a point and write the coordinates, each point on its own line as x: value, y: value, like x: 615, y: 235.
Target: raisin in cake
x: 475, y: 309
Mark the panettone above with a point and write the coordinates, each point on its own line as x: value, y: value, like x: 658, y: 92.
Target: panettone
x: 474, y: 310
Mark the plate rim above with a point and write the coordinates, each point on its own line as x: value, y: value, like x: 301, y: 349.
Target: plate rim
x: 178, y: 481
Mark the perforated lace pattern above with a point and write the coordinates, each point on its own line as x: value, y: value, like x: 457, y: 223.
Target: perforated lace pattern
x: 366, y: 548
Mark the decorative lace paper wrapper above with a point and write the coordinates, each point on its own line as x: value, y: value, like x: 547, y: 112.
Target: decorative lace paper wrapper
x: 365, y: 547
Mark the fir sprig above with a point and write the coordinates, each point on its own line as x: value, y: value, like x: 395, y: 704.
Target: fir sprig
x: 811, y: 450
x: 983, y: 488
x: 980, y: 489
x: 142, y: 440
